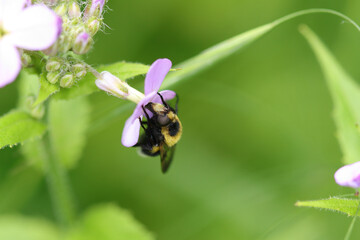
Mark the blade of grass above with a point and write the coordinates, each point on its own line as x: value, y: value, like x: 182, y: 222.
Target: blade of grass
x: 345, y: 94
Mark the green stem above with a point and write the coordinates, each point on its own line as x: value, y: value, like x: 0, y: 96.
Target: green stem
x: 347, y: 236
x: 59, y: 190
x: 92, y: 70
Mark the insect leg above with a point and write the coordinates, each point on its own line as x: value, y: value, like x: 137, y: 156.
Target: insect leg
x: 146, y: 114
x: 163, y: 101
x: 142, y: 124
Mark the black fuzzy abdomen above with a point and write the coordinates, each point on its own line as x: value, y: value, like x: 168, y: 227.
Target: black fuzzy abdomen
x: 174, y: 128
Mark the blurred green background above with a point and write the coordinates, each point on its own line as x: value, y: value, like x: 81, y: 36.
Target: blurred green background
x: 258, y: 128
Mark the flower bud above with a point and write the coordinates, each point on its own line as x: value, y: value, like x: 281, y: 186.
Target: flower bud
x: 53, y: 64
x: 38, y: 111
x: 93, y: 26
x: 52, y: 50
x: 64, y: 43
x: 25, y: 59
x: 111, y: 84
x: 94, y: 9
x: 67, y: 80
x: 79, y: 70
x: 50, y: 2
x: 82, y: 43
x: 53, y: 77
x: 61, y: 9
x: 66, y: 24
x: 74, y: 10
x: 29, y: 101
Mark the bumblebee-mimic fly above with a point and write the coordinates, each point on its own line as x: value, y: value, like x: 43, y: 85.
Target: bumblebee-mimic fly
x: 161, y: 132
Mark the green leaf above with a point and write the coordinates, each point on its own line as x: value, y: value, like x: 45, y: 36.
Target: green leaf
x: 345, y: 94
x: 343, y: 205
x: 23, y: 228
x: 109, y: 222
x: 35, y: 153
x: 122, y: 70
x: 17, y: 127
x: 46, y: 90
x: 216, y: 53
x: 125, y: 70
x: 68, y: 122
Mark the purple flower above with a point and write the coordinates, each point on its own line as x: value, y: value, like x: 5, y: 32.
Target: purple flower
x: 348, y: 175
x: 32, y: 28
x: 153, y: 80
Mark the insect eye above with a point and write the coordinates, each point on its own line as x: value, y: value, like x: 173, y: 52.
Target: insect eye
x: 163, y: 120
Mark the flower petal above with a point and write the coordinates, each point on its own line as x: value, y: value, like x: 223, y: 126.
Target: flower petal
x: 166, y: 94
x: 156, y: 75
x: 130, y: 135
x: 349, y: 175
x: 9, y: 8
x: 131, y: 131
x: 10, y: 63
x: 35, y: 28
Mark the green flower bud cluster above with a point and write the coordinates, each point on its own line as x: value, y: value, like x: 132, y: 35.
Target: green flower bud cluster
x: 64, y: 71
x: 78, y: 26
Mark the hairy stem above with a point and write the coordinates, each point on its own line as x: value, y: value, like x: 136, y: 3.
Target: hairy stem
x: 59, y: 190
x: 92, y: 70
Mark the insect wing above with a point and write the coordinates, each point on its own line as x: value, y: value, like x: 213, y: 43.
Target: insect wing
x: 166, y: 156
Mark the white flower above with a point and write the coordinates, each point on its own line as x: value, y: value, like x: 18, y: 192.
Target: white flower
x: 34, y: 27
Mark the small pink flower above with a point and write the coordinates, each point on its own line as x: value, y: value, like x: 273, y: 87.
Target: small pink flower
x: 35, y: 27
x: 94, y: 9
x: 153, y: 80
x: 348, y: 175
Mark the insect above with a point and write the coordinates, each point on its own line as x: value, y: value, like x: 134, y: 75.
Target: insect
x: 161, y: 132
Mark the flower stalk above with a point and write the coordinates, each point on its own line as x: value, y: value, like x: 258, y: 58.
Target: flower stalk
x: 59, y: 189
